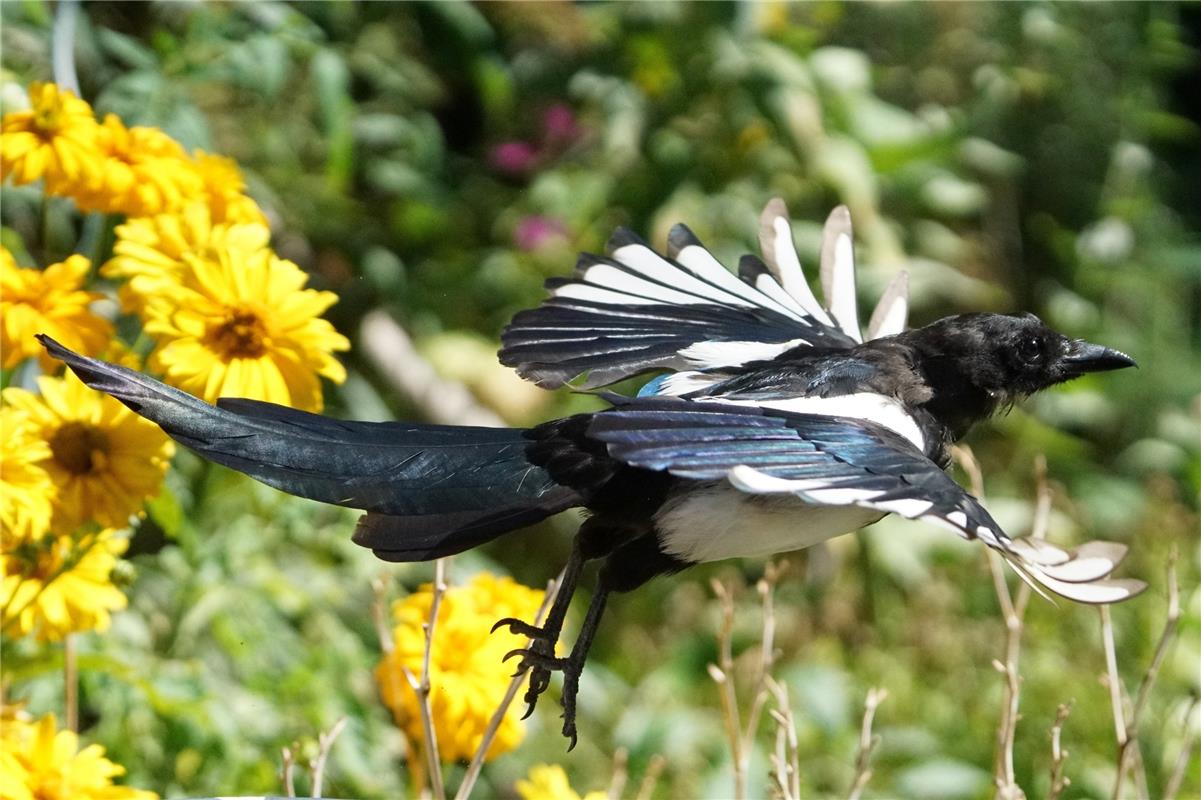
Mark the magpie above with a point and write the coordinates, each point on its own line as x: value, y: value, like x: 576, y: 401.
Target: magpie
x: 773, y: 424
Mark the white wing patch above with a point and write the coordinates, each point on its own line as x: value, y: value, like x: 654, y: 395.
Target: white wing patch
x: 686, y: 382
x: 647, y: 262
x: 730, y: 354
x: 768, y: 285
x: 892, y: 312
x: 701, y: 262
x: 838, y: 272
x: 779, y: 253
x: 869, y: 406
x: 597, y: 294
x: 910, y: 507
x: 610, y: 277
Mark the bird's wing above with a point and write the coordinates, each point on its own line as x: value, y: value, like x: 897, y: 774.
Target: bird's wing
x: 837, y: 461
x: 633, y: 310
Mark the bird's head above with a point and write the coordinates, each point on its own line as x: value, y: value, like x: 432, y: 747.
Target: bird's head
x: 1010, y: 356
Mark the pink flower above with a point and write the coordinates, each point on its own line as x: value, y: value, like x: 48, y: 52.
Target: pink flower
x: 536, y: 231
x: 559, y: 125
x: 515, y: 158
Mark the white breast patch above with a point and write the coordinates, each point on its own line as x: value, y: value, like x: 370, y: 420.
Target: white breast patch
x: 715, y: 521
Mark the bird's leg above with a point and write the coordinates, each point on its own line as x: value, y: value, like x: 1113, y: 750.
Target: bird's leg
x: 553, y: 625
x: 539, y: 656
x: 598, y: 537
x: 574, y: 665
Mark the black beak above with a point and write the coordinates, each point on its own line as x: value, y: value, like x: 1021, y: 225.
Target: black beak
x: 1083, y: 357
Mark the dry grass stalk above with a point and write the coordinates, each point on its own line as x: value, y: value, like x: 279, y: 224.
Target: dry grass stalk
x: 742, y: 738
x: 1176, y: 779
x: 654, y: 770
x: 422, y: 687
x: 379, y: 611
x: 722, y: 674
x: 379, y: 615
x: 1059, y: 756
x: 621, y: 774
x: 1113, y: 679
x: 325, y: 742
x: 1013, y: 611
x: 1126, y: 729
x: 477, y: 760
x: 767, y: 652
x: 289, y: 768
x: 867, y: 742
x: 786, y: 759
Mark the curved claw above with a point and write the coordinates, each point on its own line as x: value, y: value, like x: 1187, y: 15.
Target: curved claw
x: 520, y: 651
x: 569, y: 730
x: 519, y: 627
x: 500, y: 623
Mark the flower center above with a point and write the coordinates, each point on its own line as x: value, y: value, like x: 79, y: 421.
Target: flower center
x: 80, y: 449
x: 241, y: 335
x: 47, y: 117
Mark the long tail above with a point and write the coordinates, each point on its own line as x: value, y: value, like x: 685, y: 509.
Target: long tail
x: 430, y: 490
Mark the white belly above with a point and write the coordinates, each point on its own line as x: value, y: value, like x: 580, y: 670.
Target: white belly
x: 716, y: 521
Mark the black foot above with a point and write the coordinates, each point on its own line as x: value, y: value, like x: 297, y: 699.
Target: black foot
x: 542, y: 665
x: 539, y: 658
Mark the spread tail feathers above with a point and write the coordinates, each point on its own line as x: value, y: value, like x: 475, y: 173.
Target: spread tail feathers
x: 431, y: 490
x: 1080, y: 574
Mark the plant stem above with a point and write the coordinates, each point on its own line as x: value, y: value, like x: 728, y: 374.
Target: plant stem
x: 481, y: 752
x: 70, y: 683
x: 422, y: 687
x: 325, y: 741
x: 867, y: 742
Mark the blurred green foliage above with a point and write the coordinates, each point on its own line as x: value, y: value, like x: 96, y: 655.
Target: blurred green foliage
x: 441, y: 160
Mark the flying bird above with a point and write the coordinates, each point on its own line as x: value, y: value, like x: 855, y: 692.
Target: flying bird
x: 774, y: 424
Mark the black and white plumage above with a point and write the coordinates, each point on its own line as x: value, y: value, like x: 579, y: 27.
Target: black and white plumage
x: 777, y: 424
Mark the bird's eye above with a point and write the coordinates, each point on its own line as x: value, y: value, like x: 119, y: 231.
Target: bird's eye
x: 1030, y: 349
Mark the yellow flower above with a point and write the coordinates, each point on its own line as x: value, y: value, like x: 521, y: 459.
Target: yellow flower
x: 26, y: 490
x: 549, y: 782
x: 55, y: 139
x: 50, y: 301
x: 241, y: 324
x: 105, y: 459
x: 61, y: 585
x: 149, y: 251
x: 225, y: 190
x: 144, y: 171
x: 467, y: 678
x: 38, y: 763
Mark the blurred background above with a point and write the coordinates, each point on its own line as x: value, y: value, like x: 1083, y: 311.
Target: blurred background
x: 438, y: 161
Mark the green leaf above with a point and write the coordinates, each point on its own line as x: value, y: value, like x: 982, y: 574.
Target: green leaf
x: 126, y: 49
x: 332, y: 79
x: 166, y: 512
x: 942, y: 779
